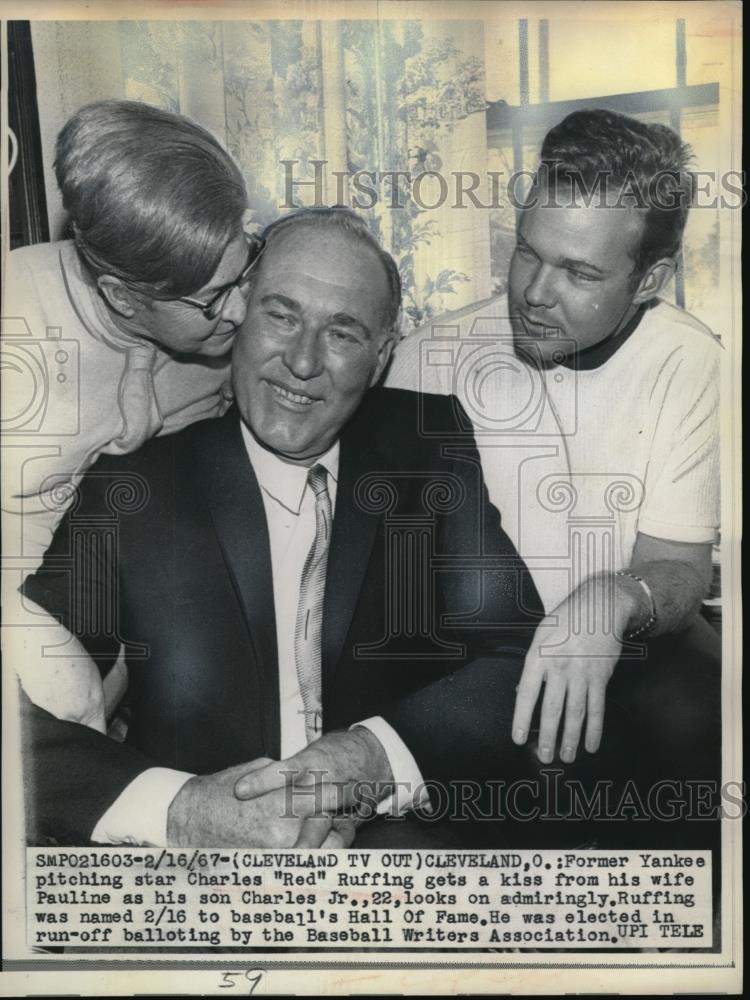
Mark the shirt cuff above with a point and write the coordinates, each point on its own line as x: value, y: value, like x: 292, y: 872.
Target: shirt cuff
x: 410, y: 792
x: 139, y: 813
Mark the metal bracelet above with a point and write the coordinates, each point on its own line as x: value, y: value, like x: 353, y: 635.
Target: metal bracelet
x: 647, y: 590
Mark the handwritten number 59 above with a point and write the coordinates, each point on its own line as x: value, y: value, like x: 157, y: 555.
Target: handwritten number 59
x: 229, y: 979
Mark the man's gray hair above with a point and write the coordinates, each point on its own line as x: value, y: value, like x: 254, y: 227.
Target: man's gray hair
x: 346, y: 221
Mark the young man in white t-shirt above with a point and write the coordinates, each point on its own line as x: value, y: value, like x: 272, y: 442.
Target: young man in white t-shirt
x: 595, y: 405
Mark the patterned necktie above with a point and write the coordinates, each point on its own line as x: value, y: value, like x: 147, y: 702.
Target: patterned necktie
x: 310, y: 608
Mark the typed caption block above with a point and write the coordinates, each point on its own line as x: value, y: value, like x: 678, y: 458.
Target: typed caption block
x: 351, y: 899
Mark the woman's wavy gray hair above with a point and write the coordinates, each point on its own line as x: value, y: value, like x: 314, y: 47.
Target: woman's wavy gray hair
x: 152, y: 197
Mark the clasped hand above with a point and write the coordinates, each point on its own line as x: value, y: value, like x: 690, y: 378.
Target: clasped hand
x: 347, y: 773
x: 297, y: 802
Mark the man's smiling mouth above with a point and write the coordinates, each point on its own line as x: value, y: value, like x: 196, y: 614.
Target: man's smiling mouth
x: 292, y: 397
x: 539, y: 329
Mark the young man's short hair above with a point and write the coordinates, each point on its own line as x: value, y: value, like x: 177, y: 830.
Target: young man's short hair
x: 608, y: 152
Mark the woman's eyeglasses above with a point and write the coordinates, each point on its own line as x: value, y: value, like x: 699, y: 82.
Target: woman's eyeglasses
x: 215, y: 305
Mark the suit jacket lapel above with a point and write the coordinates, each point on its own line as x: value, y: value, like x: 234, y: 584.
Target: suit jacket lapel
x: 352, y: 539
x: 239, y: 519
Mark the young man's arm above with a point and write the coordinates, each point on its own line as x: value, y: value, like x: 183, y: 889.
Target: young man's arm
x: 577, y: 646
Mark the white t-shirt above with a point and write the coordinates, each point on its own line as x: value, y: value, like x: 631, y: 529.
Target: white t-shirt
x: 579, y: 461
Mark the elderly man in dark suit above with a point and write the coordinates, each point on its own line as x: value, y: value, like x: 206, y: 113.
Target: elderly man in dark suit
x: 316, y: 576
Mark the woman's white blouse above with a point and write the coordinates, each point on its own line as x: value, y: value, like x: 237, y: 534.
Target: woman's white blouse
x: 75, y: 387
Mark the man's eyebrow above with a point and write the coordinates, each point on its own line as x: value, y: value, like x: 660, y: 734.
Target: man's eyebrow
x: 344, y: 319
x: 525, y: 243
x: 340, y: 319
x: 576, y: 263
x: 569, y: 262
x: 282, y: 300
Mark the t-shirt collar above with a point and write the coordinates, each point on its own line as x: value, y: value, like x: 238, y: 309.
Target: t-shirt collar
x: 598, y: 354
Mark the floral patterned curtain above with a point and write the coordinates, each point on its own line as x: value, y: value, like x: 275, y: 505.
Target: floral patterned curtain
x: 299, y: 100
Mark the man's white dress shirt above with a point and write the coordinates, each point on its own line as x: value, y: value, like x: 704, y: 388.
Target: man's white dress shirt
x: 139, y: 814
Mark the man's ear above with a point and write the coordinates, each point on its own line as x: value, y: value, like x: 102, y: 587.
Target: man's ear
x: 384, y: 355
x: 117, y: 295
x: 654, y: 280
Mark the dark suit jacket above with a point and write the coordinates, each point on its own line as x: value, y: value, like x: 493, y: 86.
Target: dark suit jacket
x: 167, y: 550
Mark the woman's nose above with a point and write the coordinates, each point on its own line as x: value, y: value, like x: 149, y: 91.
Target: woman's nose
x: 235, y: 308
